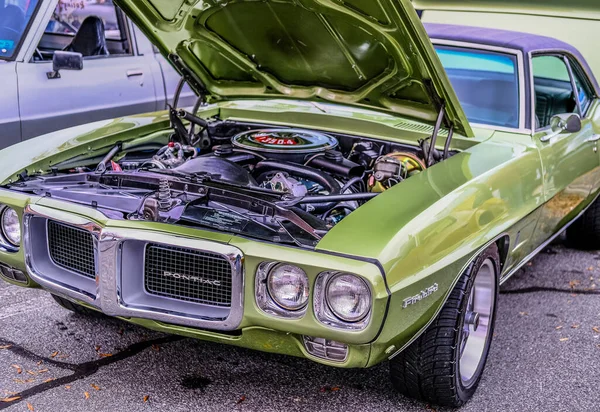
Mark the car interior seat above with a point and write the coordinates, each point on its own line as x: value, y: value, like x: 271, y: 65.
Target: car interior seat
x: 550, y: 101
x: 90, y: 39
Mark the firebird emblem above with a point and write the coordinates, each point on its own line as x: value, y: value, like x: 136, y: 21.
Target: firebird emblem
x: 424, y: 293
x: 196, y: 279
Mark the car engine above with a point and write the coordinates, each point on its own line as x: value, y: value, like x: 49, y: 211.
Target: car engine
x: 284, y: 185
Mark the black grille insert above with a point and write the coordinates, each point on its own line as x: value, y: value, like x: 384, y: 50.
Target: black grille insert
x: 188, y: 275
x: 71, y: 248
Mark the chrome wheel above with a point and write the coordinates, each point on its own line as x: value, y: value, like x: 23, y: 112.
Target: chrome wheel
x: 477, y: 323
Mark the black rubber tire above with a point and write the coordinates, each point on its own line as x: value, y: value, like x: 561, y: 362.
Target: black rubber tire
x: 584, y: 233
x: 74, y: 307
x: 428, y: 369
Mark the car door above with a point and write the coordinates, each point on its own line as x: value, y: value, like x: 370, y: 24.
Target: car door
x: 570, y: 160
x: 109, y: 86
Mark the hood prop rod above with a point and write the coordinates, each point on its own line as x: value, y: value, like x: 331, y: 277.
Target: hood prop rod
x: 436, y: 130
x: 447, y: 145
x: 178, y: 91
x: 101, y: 168
x: 181, y: 134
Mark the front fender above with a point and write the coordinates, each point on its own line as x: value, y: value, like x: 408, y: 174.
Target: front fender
x: 42, y: 152
x: 425, y: 231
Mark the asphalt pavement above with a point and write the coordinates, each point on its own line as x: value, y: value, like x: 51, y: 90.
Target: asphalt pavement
x: 545, y: 357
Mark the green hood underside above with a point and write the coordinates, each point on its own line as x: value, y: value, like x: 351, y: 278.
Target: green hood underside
x: 367, y: 53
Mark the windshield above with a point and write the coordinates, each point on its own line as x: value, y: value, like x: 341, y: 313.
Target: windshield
x: 486, y: 84
x: 15, y: 16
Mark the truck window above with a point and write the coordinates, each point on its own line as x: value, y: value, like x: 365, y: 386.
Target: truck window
x: 69, y: 15
x: 67, y: 20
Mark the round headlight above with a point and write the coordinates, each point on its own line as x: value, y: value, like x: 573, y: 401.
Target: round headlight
x: 348, y: 297
x: 11, y: 227
x: 288, y: 286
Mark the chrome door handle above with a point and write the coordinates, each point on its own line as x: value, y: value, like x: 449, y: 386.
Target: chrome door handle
x: 133, y: 73
x: 594, y: 138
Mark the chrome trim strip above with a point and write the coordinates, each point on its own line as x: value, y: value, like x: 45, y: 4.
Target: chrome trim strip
x: 505, y: 50
x: 532, y: 95
x: 108, y: 297
x: 573, y: 84
x: 526, y: 132
x: 594, y: 138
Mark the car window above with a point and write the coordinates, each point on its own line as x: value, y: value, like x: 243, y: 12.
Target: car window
x: 554, y: 92
x: 69, y: 14
x: 15, y: 16
x: 486, y: 84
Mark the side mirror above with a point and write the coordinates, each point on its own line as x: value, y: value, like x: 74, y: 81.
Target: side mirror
x: 63, y: 60
x: 563, y: 123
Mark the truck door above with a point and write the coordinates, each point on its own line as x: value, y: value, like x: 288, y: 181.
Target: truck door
x: 115, y: 81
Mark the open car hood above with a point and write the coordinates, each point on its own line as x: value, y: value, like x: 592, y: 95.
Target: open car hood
x: 372, y: 54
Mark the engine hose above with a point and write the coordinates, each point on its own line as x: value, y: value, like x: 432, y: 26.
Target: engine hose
x: 329, y: 183
x: 351, y: 183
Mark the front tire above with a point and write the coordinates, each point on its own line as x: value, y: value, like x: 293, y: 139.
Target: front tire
x: 445, y: 364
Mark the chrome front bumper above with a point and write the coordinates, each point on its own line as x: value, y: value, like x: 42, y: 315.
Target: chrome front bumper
x: 118, y: 286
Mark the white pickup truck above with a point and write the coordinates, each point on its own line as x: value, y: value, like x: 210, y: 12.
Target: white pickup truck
x: 122, y: 73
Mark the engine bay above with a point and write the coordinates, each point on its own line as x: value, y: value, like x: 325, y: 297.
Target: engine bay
x: 285, y: 185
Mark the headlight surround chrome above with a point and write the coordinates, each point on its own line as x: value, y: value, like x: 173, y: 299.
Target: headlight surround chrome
x: 333, y: 290
x: 277, y: 285
x: 10, y: 226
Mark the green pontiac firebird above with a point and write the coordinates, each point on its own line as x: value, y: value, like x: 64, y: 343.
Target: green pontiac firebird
x: 345, y: 190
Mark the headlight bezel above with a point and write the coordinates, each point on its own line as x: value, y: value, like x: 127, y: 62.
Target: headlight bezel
x: 6, y: 242
x: 323, y: 310
x: 264, y: 298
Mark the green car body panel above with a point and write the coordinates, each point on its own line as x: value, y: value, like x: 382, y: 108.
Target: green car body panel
x: 422, y: 232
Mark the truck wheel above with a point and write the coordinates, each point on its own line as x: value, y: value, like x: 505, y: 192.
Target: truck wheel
x: 445, y: 364
x: 74, y: 307
x: 584, y: 233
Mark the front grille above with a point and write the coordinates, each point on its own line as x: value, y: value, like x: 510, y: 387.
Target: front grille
x: 188, y: 275
x: 71, y: 248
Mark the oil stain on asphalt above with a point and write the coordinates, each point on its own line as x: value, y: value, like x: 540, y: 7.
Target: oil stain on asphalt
x: 195, y: 382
